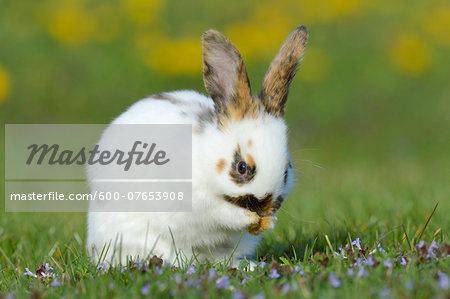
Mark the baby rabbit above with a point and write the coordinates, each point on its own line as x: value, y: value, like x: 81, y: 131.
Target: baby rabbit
x: 241, y: 169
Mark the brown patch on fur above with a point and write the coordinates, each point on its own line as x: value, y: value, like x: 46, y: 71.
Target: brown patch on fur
x: 165, y: 97
x: 250, y: 142
x: 263, y: 224
x: 251, y: 168
x: 251, y: 161
x: 263, y: 207
x: 220, y: 165
x: 282, y: 70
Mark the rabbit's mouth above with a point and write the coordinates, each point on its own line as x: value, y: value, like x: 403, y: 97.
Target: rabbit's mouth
x: 265, y: 206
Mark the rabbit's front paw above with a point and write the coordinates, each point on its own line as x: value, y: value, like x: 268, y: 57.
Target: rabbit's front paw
x: 258, y: 224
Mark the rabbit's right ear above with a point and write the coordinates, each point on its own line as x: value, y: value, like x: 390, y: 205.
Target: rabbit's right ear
x: 224, y: 74
x: 282, y: 70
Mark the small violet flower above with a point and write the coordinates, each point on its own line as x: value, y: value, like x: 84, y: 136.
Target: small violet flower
x: 245, y: 279
x: 238, y: 295
x: 370, y: 261
x: 380, y: 249
x: 388, y: 263
x: 334, y: 281
x: 274, y: 274
x: 190, y: 270
x: 29, y: 273
x: 101, y: 266
x: 357, y: 243
x: 362, y: 272
x: 48, y: 268
x: 285, y: 288
x: 443, y: 281
x: 259, y: 296
x: 55, y: 283
x: 145, y: 290
x: 212, y: 274
x: 298, y: 269
x: 403, y: 261
x: 421, y: 244
x: 350, y: 272
x: 222, y: 282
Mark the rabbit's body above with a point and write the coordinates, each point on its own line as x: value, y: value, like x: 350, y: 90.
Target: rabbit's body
x: 229, y: 206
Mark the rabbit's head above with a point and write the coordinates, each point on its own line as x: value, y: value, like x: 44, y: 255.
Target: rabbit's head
x: 251, y: 159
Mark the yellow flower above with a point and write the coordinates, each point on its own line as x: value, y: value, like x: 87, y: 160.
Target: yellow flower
x: 143, y: 12
x: 263, y: 33
x: 438, y: 25
x: 410, y: 54
x: 316, y: 64
x: 328, y: 10
x: 72, y: 24
x: 5, y: 85
x: 173, y: 56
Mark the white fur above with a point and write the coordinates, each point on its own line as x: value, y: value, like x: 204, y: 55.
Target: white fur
x: 214, y: 226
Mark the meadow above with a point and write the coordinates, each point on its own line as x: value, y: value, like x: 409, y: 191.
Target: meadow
x: 368, y: 115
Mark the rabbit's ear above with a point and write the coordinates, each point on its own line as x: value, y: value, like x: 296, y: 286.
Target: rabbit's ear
x: 224, y: 73
x: 282, y: 70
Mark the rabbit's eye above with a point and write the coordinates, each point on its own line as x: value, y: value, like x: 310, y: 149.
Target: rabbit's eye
x: 241, y: 168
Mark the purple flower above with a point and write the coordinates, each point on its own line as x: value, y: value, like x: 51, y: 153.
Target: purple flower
x: 334, y: 281
x: 259, y: 296
x: 285, y: 288
x: 298, y: 269
x: 190, y: 270
x: 274, y: 274
x: 177, y: 278
x: 357, y: 243
x: 29, y: 273
x: 11, y: 295
x: 238, y: 295
x: 101, y: 266
x: 212, y: 274
x: 350, y: 272
x: 403, y: 261
x: 388, y: 263
x: 380, y: 249
x: 222, y: 282
x: 48, y: 268
x: 262, y: 265
x: 246, y: 278
x: 362, y: 272
x: 421, y: 244
x: 370, y: 261
x: 145, y: 290
x: 443, y: 281
x: 55, y: 282
x: 158, y: 270
x: 433, y: 246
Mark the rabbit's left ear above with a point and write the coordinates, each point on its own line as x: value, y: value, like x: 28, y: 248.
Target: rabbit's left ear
x: 224, y: 73
x: 282, y: 70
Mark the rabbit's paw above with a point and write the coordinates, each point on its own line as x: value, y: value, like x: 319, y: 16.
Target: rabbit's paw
x: 259, y: 224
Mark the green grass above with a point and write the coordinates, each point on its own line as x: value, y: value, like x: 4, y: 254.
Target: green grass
x: 379, y: 207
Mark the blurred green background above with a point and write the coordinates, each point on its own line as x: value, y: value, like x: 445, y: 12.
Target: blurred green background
x: 368, y: 111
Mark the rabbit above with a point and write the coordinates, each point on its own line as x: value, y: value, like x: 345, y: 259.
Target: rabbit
x: 241, y: 168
